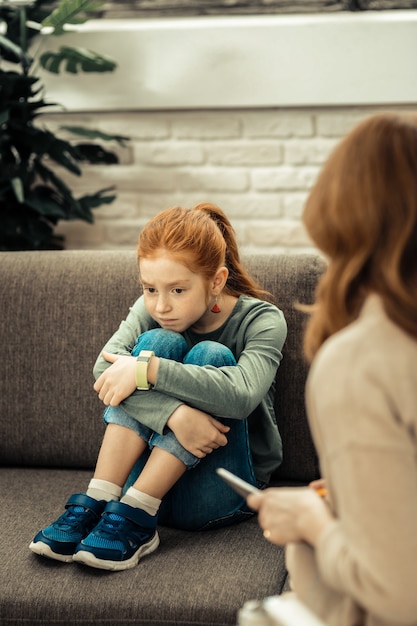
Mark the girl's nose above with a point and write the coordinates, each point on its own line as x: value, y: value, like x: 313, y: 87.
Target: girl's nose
x: 162, y: 304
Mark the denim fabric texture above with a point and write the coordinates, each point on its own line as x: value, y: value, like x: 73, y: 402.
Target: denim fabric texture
x: 200, y: 499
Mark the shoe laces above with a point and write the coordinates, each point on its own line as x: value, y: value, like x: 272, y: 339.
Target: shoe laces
x: 72, y: 516
x: 114, y: 526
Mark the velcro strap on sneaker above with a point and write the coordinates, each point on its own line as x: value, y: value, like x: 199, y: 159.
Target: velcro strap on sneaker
x: 138, y: 516
x: 81, y: 499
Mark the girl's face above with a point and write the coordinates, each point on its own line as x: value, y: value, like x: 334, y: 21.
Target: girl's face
x: 175, y: 297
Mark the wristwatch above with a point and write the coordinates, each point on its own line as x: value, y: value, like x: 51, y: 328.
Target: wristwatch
x: 141, y: 374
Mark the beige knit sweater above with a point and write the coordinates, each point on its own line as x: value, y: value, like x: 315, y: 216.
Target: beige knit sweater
x: 362, y: 406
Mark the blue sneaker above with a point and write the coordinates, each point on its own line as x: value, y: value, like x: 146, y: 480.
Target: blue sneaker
x: 59, y: 540
x: 123, y: 536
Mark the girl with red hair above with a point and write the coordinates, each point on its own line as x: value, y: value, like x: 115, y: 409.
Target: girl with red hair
x: 188, y: 380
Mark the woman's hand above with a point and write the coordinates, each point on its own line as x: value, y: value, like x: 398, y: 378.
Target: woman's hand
x: 198, y: 432
x: 319, y: 486
x: 291, y: 514
x: 118, y: 382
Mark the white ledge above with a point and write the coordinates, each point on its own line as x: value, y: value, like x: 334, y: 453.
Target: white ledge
x: 244, y: 61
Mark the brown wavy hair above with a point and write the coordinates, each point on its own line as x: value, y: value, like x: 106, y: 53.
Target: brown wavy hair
x: 362, y: 214
x: 203, y: 239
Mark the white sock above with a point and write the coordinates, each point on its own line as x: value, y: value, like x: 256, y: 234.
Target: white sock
x: 103, y: 490
x: 141, y: 500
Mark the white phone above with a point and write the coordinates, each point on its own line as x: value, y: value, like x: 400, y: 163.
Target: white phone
x: 238, y: 484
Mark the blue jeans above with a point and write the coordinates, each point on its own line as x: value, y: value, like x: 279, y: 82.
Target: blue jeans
x: 200, y: 499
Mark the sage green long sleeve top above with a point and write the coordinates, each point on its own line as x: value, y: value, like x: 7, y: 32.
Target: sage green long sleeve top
x: 362, y: 407
x: 255, y: 332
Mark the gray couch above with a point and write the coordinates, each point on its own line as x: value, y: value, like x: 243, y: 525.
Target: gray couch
x: 57, y: 311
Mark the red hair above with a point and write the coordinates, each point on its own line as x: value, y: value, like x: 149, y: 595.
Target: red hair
x: 202, y: 239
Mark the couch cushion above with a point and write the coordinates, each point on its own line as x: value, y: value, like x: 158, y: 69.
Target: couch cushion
x: 292, y: 279
x: 199, y: 578
x: 58, y: 309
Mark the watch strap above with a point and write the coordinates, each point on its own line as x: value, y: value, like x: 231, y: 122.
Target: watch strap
x: 141, y: 374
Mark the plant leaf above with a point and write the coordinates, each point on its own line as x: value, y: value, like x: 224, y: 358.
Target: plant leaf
x: 89, y: 202
x: 68, y: 12
x: 96, y: 154
x: 46, y: 202
x: 90, y: 133
x: 18, y: 189
x: 75, y: 60
x: 50, y: 61
x: 48, y: 176
x: 4, y: 117
x: 43, y: 143
x: 13, y: 53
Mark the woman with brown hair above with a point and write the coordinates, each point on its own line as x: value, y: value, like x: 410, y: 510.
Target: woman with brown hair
x: 352, y: 556
x: 188, y: 380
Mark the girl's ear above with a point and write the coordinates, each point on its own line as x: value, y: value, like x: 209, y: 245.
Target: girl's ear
x: 219, y: 280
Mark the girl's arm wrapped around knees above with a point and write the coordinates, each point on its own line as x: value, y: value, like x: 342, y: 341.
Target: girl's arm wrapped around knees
x: 232, y: 391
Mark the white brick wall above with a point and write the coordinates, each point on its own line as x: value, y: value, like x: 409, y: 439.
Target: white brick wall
x: 258, y: 165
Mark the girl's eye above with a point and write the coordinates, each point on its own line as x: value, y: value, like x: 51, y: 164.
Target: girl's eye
x: 150, y: 289
x: 178, y: 290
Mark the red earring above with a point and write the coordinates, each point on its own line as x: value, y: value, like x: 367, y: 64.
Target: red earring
x: 215, y: 308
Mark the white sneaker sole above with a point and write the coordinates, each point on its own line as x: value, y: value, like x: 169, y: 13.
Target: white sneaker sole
x: 44, y: 550
x: 92, y: 561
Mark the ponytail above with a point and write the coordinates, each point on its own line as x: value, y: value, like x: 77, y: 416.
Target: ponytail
x: 239, y: 281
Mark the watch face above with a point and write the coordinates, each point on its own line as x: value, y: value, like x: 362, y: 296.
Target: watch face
x: 145, y: 355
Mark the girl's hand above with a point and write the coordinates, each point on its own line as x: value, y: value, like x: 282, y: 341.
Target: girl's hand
x: 118, y: 382
x: 198, y: 432
x: 291, y: 514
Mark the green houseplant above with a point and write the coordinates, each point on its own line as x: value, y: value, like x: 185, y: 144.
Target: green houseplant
x: 33, y: 197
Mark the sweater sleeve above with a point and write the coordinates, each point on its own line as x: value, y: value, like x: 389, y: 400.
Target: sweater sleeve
x: 232, y: 391
x: 124, y: 339
x: 140, y: 405
x: 224, y: 392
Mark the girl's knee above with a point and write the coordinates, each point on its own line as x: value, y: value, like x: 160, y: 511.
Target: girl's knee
x: 210, y: 353
x: 165, y: 343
